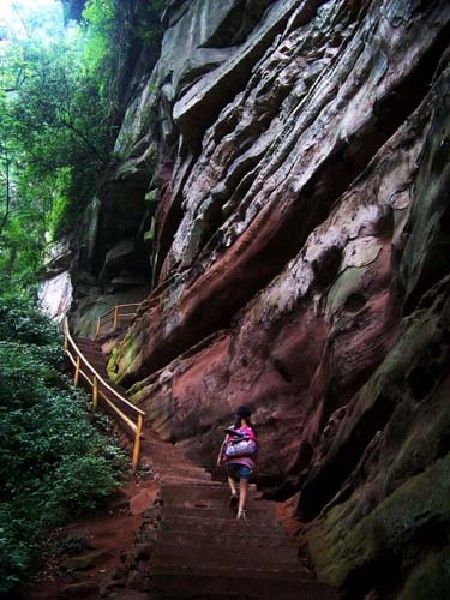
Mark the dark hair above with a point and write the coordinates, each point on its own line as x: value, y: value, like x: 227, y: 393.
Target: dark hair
x: 243, y: 412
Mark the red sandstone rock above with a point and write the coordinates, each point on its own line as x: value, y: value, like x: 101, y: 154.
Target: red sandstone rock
x: 143, y: 500
x: 301, y: 222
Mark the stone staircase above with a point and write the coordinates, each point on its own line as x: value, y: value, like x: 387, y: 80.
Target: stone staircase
x: 202, y: 551
x: 190, y: 545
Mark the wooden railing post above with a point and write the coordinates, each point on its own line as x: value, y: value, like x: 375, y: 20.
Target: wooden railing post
x: 137, y: 441
x: 94, y: 394
x: 77, y: 371
x: 66, y: 334
x: 104, y: 319
x: 103, y: 391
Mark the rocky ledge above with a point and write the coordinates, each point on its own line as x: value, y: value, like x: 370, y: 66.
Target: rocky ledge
x: 300, y: 265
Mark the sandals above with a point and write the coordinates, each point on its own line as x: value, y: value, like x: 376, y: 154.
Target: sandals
x: 241, y: 515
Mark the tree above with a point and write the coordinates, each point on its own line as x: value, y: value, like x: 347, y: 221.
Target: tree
x: 61, y: 102
x: 55, y: 139
x: 58, y: 113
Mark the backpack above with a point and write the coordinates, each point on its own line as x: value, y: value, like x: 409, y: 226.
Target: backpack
x: 240, y: 445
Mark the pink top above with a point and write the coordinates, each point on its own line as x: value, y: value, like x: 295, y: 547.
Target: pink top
x: 241, y: 460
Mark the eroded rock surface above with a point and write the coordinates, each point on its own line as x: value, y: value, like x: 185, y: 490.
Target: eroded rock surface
x: 299, y: 256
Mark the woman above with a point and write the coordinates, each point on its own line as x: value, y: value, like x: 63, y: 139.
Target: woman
x: 240, y: 468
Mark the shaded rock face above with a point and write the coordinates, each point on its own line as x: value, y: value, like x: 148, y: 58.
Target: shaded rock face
x: 300, y: 266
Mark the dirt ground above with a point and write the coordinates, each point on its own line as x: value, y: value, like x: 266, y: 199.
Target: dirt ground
x: 84, y: 555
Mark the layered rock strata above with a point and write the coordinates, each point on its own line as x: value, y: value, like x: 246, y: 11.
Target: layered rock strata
x: 299, y: 263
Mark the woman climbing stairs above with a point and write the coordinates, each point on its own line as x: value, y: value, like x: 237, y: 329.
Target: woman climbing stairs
x: 190, y: 545
x: 194, y: 548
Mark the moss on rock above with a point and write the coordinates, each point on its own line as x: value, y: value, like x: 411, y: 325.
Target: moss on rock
x: 339, y: 551
x: 122, y: 357
x: 431, y: 581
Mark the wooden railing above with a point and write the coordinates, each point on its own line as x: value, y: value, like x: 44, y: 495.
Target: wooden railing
x: 112, y: 319
x: 96, y: 382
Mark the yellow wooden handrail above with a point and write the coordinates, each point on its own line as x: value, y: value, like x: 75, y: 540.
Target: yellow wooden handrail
x: 93, y: 378
x: 117, y: 315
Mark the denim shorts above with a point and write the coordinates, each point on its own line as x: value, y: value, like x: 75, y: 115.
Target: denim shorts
x: 237, y: 471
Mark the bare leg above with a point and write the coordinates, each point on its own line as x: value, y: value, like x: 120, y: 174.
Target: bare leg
x: 232, y: 485
x: 243, y: 483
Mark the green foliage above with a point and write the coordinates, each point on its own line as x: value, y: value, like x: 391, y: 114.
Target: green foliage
x: 149, y: 21
x: 59, y: 121
x: 61, y: 205
x: 55, y: 139
x: 54, y: 465
x: 61, y: 101
x: 21, y: 322
x: 108, y: 33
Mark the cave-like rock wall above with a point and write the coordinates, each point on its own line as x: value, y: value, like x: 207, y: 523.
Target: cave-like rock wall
x: 296, y: 155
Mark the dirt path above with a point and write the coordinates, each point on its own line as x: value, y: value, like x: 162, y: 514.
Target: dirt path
x: 107, y: 536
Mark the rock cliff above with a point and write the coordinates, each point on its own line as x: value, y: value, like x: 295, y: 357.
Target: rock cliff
x: 282, y: 186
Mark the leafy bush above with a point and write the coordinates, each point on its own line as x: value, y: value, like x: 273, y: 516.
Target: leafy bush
x: 54, y: 465
x: 22, y: 322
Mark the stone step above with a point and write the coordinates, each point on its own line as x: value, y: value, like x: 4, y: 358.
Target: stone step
x: 253, y: 586
x: 218, y: 490
x: 188, y: 522
x: 166, y: 565
x: 186, y: 506
x: 242, y: 553
x: 197, y: 486
x: 170, y: 456
x: 90, y: 349
x: 177, y: 465
x: 214, y: 493
x: 158, y: 444
x: 212, y: 512
x: 263, y: 573
x: 189, y: 472
x: 94, y: 359
x: 95, y: 355
x: 179, y: 479
x: 227, y: 538
x: 166, y: 449
x: 174, y: 462
x: 210, y: 515
x: 170, y: 461
x: 275, y: 534
x: 212, y: 499
x: 186, y: 470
